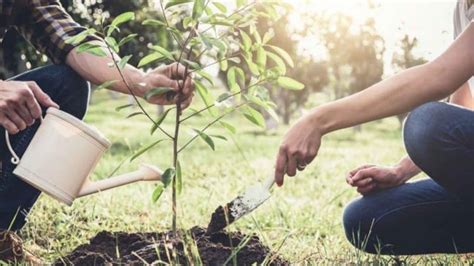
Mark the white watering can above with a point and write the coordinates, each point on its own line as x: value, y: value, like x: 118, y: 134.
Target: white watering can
x: 62, y: 155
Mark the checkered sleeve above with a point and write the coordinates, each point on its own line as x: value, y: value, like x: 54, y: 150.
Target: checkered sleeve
x: 49, y: 27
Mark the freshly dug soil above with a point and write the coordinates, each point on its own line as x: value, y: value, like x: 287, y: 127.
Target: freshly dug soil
x: 139, y: 248
x: 221, y: 218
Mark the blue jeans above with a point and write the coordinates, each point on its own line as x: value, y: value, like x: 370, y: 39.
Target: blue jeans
x: 71, y: 93
x: 434, y: 215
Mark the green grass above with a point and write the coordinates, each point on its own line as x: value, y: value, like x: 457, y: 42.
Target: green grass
x: 302, y: 221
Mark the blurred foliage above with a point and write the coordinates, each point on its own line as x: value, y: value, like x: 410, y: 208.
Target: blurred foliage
x: 19, y: 56
x: 353, y: 53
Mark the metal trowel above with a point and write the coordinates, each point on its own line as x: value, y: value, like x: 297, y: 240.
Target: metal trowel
x: 244, y: 204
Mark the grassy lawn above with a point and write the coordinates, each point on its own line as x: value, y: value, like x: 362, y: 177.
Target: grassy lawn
x: 302, y: 221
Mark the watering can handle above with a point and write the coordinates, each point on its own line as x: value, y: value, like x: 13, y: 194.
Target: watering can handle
x: 15, y: 159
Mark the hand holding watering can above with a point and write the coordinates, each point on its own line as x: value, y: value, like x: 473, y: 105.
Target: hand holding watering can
x: 62, y: 155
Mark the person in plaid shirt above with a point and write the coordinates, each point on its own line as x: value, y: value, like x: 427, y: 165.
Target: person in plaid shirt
x: 65, y: 85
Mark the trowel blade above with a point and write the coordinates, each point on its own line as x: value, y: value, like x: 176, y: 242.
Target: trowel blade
x: 242, y: 205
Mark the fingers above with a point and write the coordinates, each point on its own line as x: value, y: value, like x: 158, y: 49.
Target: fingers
x: 367, y: 189
x: 8, y: 125
x: 353, y: 172
x: 186, y: 103
x: 280, y: 167
x: 25, y: 114
x: 364, y: 173
x: 40, y: 96
x: 17, y: 120
x: 177, y: 71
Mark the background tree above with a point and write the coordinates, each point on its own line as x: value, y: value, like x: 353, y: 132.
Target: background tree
x: 404, y: 58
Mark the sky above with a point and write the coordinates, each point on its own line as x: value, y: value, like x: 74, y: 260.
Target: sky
x: 428, y: 20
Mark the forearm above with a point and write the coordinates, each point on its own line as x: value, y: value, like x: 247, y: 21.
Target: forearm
x: 406, y: 169
x: 98, y: 70
x: 403, y: 92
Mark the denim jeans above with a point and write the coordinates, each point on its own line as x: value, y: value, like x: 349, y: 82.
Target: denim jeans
x: 434, y: 215
x: 71, y: 93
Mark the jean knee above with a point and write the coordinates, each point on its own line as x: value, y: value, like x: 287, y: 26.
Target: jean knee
x: 77, y: 90
x: 358, y: 226
x: 422, y: 129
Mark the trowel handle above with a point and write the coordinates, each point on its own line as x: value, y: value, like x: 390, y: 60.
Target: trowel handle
x: 268, y: 183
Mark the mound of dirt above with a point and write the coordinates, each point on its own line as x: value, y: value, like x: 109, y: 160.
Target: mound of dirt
x: 139, y: 248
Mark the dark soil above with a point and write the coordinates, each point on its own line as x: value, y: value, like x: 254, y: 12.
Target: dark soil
x: 220, y: 218
x: 139, y: 248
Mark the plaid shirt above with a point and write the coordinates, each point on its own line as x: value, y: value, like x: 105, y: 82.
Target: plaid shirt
x: 44, y: 23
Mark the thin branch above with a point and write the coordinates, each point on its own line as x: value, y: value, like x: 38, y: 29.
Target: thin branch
x: 211, y: 124
x: 129, y: 88
x: 225, y: 98
x: 168, y: 24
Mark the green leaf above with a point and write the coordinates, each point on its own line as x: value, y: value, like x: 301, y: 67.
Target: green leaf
x: 179, y: 180
x: 254, y: 116
x: 117, y: 109
x: 232, y: 80
x: 177, y: 2
x: 283, y: 54
x: 111, y: 29
x: 112, y: 43
x: 290, y: 84
x: 220, y: 6
x: 257, y: 37
x: 156, y: 91
x: 224, y: 96
x: 205, y: 95
x: 252, y: 67
x: 157, y: 192
x: 191, y: 64
x: 76, y: 39
x: 167, y: 176
x: 239, y: 3
x: 246, y: 40
x: 206, y: 76
x: 153, y: 22
x: 159, y: 120
x: 198, y: 8
x: 206, y: 138
x: 228, y: 126
x: 123, y: 62
x: 268, y: 36
x: 127, y: 39
x: 134, y: 114
x: 122, y: 18
x: 145, y: 149
x: 223, y: 64
x: 163, y: 51
x: 105, y: 85
x: 90, y: 48
x: 219, y: 137
x: 278, y: 61
x: 149, y: 59
x: 187, y: 21
x: 261, y: 57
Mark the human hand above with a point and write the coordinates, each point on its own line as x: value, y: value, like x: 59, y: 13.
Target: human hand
x: 20, y: 104
x: 298, y: 148
x: 371, y: 178
x: 169, y: 76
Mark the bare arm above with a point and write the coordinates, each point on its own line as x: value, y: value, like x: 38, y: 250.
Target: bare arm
x: 98, y: 70
x: 399, y: 94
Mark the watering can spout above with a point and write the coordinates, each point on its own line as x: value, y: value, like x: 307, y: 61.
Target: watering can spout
x: 146, y: 172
